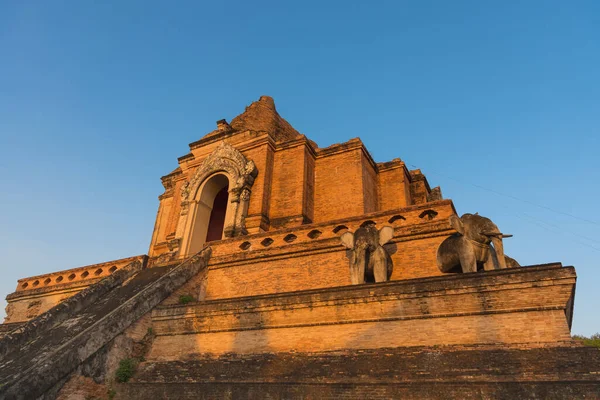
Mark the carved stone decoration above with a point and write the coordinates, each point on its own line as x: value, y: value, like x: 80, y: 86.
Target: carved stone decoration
x: 435, y: 194
x: 369, y: 261
x: 173, y: 244
x: 162, y: 259
x: 185, y: 190
x: 169, y: 185
x: 476, y: 245
x: 240, y: 172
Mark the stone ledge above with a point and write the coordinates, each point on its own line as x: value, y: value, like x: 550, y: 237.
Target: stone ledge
x: 430, y: 364
x: 405, y: 391
x: 437, y: 372
x: 524, y: 305
x: 79, y: 281
x: 227, y: 251
x: 463, y: 295
x: 58, y: 288
x: 532, y: 273
x: 65, y: 310
x: 413, y: 211
x: 321, y: 245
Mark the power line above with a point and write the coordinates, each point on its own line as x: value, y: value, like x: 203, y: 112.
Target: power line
x: 532, y: 220
x: 513, y: 197
x: 560, y: 230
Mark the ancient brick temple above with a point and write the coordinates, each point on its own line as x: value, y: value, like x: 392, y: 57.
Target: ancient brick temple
x: 281, y: 270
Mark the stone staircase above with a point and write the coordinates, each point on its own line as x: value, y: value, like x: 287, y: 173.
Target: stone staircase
x: 44, y: 351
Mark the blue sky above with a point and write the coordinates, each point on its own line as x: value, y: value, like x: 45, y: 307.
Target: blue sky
x: 498, y: 102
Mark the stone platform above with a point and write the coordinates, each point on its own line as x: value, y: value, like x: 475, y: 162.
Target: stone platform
x: 433, y: 372
x: 506, y: 334
x: 525, y: 305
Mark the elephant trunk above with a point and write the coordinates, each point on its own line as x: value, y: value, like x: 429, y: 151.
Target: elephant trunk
x: 499, y: 248
x: 359, y: 261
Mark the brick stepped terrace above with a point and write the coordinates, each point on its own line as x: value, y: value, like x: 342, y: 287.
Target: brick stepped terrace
x: 519, y: 305
x: 439, y: 372
x: 283, y: 308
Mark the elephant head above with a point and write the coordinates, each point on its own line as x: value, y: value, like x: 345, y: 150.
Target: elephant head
x: 472, y: 245
x: 369, y: 260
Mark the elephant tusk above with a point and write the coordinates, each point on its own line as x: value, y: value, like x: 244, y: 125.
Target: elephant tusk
x: 496, y: 234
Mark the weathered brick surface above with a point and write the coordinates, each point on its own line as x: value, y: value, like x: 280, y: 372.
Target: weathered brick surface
x: 415, y: 258
x: 369, y: 177
x: 82, y: 388
x: 515, y: 327
x: 309, y: 263
x: 419, y: 187
x: 195, y: 287
x: 410, y: 391
x: 393, y: 185
x: 258, y: 209
x: 339, y: 189
x: 478, y: 372
x: 508, y: 306
x: 5, y: 328
x: 290, y: 184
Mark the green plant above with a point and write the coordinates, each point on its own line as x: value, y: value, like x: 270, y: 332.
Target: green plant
x: 593, y: 341
x: 185, y: 298
x: 150, y: 331
x: 111, y: 393
x: 125, y: 370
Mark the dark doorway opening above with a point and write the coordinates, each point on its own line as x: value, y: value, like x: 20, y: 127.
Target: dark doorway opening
x: 217, y: 216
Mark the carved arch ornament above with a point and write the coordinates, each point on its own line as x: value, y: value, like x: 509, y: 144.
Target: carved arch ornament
x: 240, y: 172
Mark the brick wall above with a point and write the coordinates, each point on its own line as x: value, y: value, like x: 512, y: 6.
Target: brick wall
x: 311, y: 256
x: 258, y: 209
x: 338, y: 186
x: 298, y: 183
x: 369, y: 184
x: 288, y: 189
x: 280, y: 274
x: 394, y: 187
x: 507, y: 306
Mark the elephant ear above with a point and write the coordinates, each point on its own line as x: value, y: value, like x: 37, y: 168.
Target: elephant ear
x: 457, y: 224
x: 385, y: 234
x: 348, y: 240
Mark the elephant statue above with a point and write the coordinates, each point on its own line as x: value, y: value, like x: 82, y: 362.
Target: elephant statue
x: 476, y: 245
x: 369, y: 261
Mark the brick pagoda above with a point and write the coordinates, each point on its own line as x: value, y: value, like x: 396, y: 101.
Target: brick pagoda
x: 246, y: 292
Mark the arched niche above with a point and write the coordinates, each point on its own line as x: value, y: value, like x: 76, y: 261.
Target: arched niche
x: 208, y: 213
x: 225, y: 167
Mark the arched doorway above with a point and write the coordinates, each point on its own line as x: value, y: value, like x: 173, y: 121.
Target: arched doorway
x: 210, y: 212
x: 224, y: 167
x: 217, y: 216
